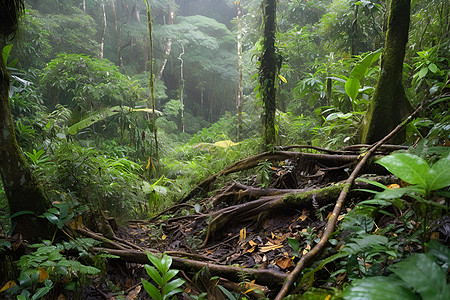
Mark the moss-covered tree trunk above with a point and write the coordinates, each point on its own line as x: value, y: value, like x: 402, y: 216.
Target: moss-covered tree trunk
x: 268, y: 72
x: 22, y: 190
x: 389, y: 105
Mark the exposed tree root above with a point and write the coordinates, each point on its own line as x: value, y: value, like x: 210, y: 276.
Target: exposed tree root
x: 265, y: 277
x: 272, y: 200
x: 336, y: 211
x: 251, y: 162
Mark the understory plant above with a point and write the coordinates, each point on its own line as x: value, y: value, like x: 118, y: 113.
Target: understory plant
x: 161, y: 274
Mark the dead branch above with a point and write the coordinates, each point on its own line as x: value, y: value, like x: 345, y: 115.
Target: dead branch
x: 337, y: 210
x: 266, y: 277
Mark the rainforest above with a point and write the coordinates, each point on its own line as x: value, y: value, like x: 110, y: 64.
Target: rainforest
x: 224, y: 149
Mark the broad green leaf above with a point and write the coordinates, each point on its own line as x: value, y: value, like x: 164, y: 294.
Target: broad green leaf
x: 408, y: 167
x: 424, y: 275
x: 359, y: 70
x: 441, y: 252
x: 5, y: 52
x: 440, y: 174
x: 166, y: 262
x: 432, y: 67
x: 294, y: 243
x: 151, y: 290
x: 155, y: 261
x: 172, y: 287
x: 154, y: 274
x: 390, y: 194
x: 378, y: 288
x: 22, y: 212
x: 169, y: 275
x: 51, y: 217
x: 227, y: 293
x: 423, y: 72
x: 102, y: 115
x: 352, y: 88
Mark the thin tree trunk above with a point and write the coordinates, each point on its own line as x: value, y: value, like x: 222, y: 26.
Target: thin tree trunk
x: 268, y: 71
x: 116, y: 34
x: 168, y: 48
x: 103, y: 30
x: 151, y: 80
x: 240, y: 94
x: 182, y: 86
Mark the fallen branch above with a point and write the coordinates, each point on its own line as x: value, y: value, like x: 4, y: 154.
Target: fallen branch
x: 336, y: 211
x: 266, y: 277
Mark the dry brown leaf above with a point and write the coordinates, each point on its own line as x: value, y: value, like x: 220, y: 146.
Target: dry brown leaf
x: 134, y: 292
x: 284, y: 262
x: 270, y: 248
x: 8, y: 285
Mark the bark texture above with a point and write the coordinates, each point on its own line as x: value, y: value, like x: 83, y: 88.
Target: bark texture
x: 389, y: 105
x: 22, y: 190
x: 268, y: 71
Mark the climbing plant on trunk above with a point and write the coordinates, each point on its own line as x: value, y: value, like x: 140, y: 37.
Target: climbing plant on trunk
x: 22, y: 190
x: 268, y: 72
x: 389, y: 104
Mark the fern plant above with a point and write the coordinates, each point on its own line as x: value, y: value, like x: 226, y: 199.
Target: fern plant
x: 161, y: 275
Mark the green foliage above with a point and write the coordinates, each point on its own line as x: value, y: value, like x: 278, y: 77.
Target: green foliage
x: 419, y: 276
x: 162, y: 276
x: 416, y: 171
x: 47, y: 267
x: 86, y: 83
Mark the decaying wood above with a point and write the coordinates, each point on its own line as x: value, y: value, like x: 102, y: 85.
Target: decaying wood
x: 336, y: 211
x: 271, y: 200
x: 270, y: 278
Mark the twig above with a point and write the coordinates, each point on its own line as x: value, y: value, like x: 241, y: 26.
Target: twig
x: 336, y: 211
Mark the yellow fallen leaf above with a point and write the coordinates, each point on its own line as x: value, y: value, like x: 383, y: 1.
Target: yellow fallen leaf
x: 393, y: 186
x: 163, y: 237
x: 8, y: 285
x: 43, y: 274
x: 242, y: 234
x: 269, y: 248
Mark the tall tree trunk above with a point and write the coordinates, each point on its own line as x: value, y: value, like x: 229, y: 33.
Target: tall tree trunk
x: 151, y: 79
x: 22, y: 190
x: 182, y: 86
x: 103, y: 30
x: 389, y: 105
x: 116, y: 34
x: 168, y: 48
x: 240, y: 92
x: 268, y: 71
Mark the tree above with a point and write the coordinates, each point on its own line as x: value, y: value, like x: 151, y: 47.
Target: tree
x: 268, y: 72
x: 389, y: 104
x: 22, y: 189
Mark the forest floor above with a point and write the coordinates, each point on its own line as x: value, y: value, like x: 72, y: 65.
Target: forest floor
x: 248, y: 239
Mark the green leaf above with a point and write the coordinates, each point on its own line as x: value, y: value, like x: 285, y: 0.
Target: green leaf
x: 151, y: 290
x: 408, y: 167
x: 5, y: 52
x: 440, y: 252
x: 359, y: 70
x: 352, y: 88
x: 227, y: 293
x: 432, y: 67
x: 423, y: 72
x: 172, y: 287
x: 22, y: 212
x: 439, y: 174
x: 156, y: 262
x: 166, y: 262
x: 154, y: 274
x: 51, y: 217
x: 169, y: 275
x: 378, y: 288
x: 390, y: 194
x: 424, y: 275
x: 294, y: 243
